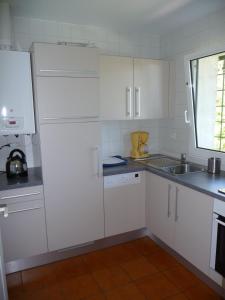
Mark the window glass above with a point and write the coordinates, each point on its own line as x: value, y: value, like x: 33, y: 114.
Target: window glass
x: 208, y: 93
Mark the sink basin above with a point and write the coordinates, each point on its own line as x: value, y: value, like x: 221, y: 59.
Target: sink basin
x: 183, y: 169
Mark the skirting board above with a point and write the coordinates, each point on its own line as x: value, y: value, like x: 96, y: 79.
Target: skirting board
x: 46, y: 258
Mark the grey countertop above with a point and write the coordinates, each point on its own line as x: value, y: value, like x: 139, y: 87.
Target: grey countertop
x: 34, y: 178
x: 199, y: 181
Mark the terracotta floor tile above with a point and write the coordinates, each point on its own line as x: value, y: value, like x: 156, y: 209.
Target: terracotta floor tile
x: 156, y: 287
x: 71, y: 267
x: 128, y: 292
x: 39, y: 277
x: 139, y: 267
x: 94, y: 260
x: 50, y: 293
x: 181, y: 277
x: 145, y: 246
x: 79, y: 287
x: 201, y: 291
x: 116, y: 255
x: 99, y: 296
x: 110, y: 278
x: 180, y: 296
x: 162, y: 260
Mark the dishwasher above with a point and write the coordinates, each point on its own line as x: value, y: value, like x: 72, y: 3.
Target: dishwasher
x: 124, y: 203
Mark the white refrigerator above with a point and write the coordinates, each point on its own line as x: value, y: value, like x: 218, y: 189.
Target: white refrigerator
x: 67, y: 104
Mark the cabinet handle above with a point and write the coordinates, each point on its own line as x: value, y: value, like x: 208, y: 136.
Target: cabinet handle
x: 19, y: 196
x: 137, y: 101
x: 97, y: 168
x: 176, y: 205
x: 128, y: 101
x: 169, y: 192
x: 25, y: 209
x: 4, y: 210
x: 187, y: 121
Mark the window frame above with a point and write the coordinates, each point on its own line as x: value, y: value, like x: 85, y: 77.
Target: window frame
x: 196, y: 152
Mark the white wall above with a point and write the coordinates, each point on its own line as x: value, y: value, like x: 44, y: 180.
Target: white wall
x: 207, y: 33
x: 115, y: 134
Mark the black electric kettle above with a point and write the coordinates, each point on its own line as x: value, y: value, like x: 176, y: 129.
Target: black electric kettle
x: 16, y: 165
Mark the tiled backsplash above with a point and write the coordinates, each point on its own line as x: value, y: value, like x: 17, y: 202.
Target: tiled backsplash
x: 116, y: 136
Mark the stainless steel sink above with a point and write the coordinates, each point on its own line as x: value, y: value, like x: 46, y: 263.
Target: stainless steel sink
x: 182, y: 169
x: 171, y: 165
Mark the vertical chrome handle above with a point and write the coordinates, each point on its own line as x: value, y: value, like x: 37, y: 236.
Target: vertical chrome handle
x: 187, y: 121
x: 137, y: 101
x: 176, y: 205
x: 4, y: 210
x: 168, y: 208
x: 128, y: 102
x: 97, y: 163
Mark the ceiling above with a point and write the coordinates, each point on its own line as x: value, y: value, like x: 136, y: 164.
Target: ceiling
x: 155, y: 16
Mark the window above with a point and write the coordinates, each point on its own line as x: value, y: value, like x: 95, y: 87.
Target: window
x: 208, y: 94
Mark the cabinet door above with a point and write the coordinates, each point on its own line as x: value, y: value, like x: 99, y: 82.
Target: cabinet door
x: 124, y: 204
x: 67, y: 98
x: 193, y: 226
x: 151, y: 88
x: 64, y: 60
x: 116, y: 87
x: 160, y: 208
x: 73, y: 183
x: 24, y: 230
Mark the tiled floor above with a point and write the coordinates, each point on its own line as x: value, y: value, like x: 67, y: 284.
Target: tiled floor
x: 135, y: 270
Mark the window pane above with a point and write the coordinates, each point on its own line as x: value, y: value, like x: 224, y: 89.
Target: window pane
x: 219, y: 114
x: 208, y: 92
x: 219, y: 98
x: 218, y: 129
x: 220, y: 82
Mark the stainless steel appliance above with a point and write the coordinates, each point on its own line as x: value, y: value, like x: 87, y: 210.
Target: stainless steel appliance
x: 214, y: 164
x: 217, y: 260
x: 16, y: 165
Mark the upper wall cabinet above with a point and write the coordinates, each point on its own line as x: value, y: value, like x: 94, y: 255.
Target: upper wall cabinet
x: 133, y: 88
x: 66, y: 82
x: 64, y: 60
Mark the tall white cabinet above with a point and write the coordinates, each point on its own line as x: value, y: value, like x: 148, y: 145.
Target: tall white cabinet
x: 133, y: 88
x: 66, y: 88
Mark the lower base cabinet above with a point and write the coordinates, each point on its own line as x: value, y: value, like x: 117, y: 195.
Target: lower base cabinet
x: 182, y: 218
x: 24, y: 230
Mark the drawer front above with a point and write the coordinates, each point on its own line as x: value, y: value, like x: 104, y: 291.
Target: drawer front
x: 68, y: 61
x: 21, y: 195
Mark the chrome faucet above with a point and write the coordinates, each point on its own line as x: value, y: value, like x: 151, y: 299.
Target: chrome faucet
x: 183, y: 158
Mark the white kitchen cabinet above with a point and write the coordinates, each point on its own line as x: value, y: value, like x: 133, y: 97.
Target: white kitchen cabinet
x: 160, y: 204
x: 66, y: 98
x: 116, y: 87
x: 124, y: 203
x: 151, y: 88
x: 24, y: 230
x: 65, y: 60
x: 182, y: 218
x: 193, y: 226
x: 73, y: 183
x: 133, y: 88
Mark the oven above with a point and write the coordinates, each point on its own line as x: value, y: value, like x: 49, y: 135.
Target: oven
x: 217, y: 260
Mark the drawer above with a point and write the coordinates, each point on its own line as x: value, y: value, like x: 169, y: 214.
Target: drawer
x: 21, y: 195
